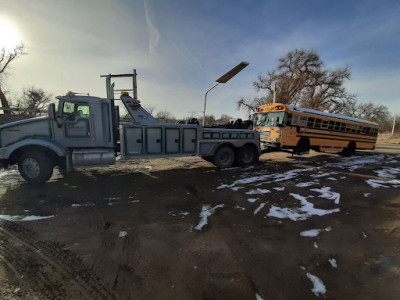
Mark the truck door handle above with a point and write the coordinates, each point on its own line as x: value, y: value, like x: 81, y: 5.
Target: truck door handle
x: 176, y: 141
x: 138, y: 141
x: 193, y: 140
x: 158, y: 141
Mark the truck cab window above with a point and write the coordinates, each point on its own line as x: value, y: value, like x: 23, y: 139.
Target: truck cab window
x: 72, y: 110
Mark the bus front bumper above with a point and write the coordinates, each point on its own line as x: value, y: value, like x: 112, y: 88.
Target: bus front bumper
x: 268, y: 146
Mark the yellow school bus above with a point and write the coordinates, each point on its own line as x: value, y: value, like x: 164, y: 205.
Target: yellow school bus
x: 286, y: 127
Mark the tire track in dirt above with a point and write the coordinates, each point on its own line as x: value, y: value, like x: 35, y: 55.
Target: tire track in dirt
x: 96, y: 221
x: 47, y: 268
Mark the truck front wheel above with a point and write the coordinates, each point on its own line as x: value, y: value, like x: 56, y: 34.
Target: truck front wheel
x: 35, y: 166
x: 224, y: 157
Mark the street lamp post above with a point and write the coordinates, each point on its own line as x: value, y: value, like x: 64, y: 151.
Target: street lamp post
x: 223, y: 79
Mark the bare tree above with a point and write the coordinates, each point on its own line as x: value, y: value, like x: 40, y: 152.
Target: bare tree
x: 149, y: 108
x: 225, y: 119
x: 250, y: 105
x: 301, y: 79
x: 35, y: 99
x: 210, y: 120
x: 165, y: 116
x: 6, y: 58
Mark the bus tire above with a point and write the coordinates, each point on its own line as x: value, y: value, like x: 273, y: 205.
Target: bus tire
x: 247, y: 156
x: 302, y: 147
x: 35, y: 166
x: 224, y: 157
x: 349, y: 150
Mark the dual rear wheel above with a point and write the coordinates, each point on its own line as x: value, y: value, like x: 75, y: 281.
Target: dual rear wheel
x: 225, y: 157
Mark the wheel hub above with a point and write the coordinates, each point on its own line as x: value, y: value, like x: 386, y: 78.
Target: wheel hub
x: 31, y: 167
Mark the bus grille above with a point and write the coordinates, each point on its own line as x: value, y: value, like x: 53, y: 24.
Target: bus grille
x: 264, y: 134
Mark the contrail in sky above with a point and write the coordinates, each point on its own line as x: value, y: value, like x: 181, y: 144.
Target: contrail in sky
x: 154, y: 36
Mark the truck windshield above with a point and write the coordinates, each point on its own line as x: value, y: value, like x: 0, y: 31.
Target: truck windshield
x: 272, y: 119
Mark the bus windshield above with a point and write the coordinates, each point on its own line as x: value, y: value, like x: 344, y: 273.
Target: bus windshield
x: 272, y: 119
x: 260, y: 119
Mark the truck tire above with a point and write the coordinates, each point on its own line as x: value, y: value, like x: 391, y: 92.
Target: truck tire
x: 35, y: 166
x: 247, y: 156
x: 224, y: 157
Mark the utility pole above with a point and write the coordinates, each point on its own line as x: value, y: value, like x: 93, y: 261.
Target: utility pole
x: 274, y: 95
x: 394, y: 123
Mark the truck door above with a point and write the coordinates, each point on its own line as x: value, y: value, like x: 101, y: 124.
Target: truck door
x: 77, y: 126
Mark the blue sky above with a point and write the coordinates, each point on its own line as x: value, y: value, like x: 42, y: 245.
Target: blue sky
x: 180, y: 47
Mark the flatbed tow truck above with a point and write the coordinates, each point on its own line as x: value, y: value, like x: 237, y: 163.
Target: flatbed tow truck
x: 85, y: 131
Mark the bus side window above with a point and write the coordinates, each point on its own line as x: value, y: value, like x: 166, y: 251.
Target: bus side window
x: 353, y: 128
x: 331, y: 124
x: 337, y: 126
x: 317, y: 123
x: 303, y: 121
x: 295, y: 119
x: 343, y: 127
x: 348, y: 128
x: 310, y: 122
x: 358, y: 129
x: 289, y: 119
x: 324, y: 124
x: 367, y: 131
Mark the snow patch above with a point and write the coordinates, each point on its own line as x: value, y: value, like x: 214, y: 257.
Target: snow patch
x: 252, y: 200
x: 388, y: 172
x: 122, y: 234
x: 258, y: 191
x: 82, y: 204
x: 326, y: 193
x: 7, y: 172
x: 206, y: 212
x: 306, y: 184
x: 333, y: 263
x: 319, y: 287
x: 267, y: 178
x: 279, y: 189
x: 314, y: 232
x: 299, y: 213
x: 259, y: 208
x: 375, y: 183
x: 24, y: 218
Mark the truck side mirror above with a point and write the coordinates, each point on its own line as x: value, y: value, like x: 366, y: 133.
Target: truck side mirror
x: 52, y: 113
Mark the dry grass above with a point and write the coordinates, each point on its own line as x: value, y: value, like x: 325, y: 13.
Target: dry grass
x: 389, y: 138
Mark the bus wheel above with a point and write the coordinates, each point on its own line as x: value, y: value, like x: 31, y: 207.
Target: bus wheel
x: 224, y: 157
x: 349, y: 150
x: 35, y: 166
x: 302, y: 147
x: 247, y: 156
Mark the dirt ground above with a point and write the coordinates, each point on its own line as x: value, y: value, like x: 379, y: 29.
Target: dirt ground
x: 181, y: 229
